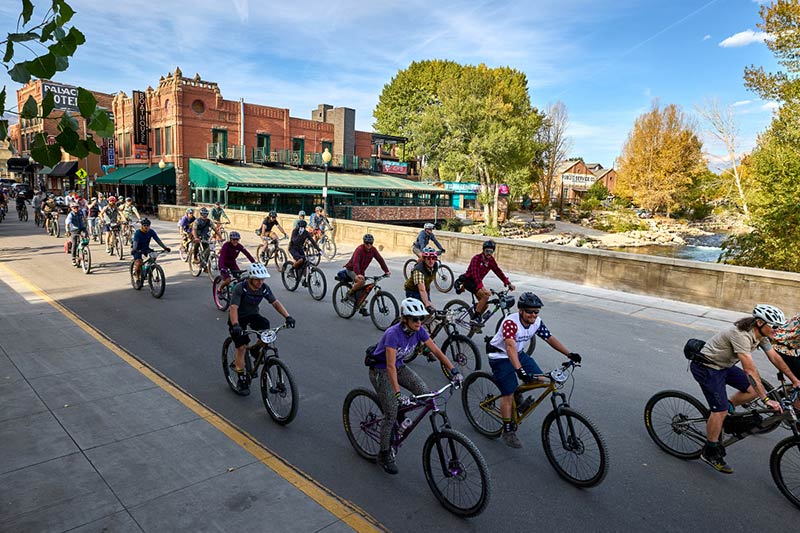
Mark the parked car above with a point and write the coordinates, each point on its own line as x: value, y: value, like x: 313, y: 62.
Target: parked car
x: 23, y: 189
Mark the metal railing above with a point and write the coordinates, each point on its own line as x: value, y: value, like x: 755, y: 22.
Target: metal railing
x: 216, y: 151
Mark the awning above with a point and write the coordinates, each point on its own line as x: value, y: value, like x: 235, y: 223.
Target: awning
x: 18, y: 164
x: 277, y: 190
x: 45, y: 171
x: 118, y: 175
x: 64, y: 168
x: 152, y: 176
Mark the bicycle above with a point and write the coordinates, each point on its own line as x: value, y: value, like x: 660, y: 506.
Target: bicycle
x: 383, y: 307
x: 327, y: 245
x: 444, y: 274
x: 459, y: 348
x: 278, y: 389
x: 22, y: 213
x: 51, y: 224
x: 221, y: 231
x: 128, y: 229
x: 310, y: 275
x: 222, y: 299
x: 454, y: 468
x: 207, y: 259
x: 152, y: 272
x: 312, y: 255
x: 95, y: 230
x: 676, y: 421
x: 271, y: 249
x: 572, y: 444
x: 114, y: 241
x: 185, y: 247
x: 83, y: 256
x: 38, y: 219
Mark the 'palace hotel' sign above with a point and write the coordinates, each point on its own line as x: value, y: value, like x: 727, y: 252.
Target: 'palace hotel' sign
x: 64, y: 96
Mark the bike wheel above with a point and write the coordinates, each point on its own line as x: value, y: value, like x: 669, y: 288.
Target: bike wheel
x: 329, y: 249
x: 118, y: 246
x: 408, y: 267
x: 279, y: 391
x: 280, y: 259
x: 25, y: 215
x: 480, y: 397
x: 345, y: 307
x: 136, y: 284
x: 261, y: 254
x: 184, y: 252
x: 56, y: 229
x: 676, y: 422
x: 456, y: 473
x: 444, y: 278
x: 362, y: 418
x: 574, y: 447
x: 383, y: 310
x: 213, y: 266
x: 290, y: 278
x: 221, y: 299
x: 157, y: 281
x: 784, y: 464
x: 229, y: 365
x: 317, y: 284
x: 463, y: 353
x: 460, y: 311
x: 86, y: 260
x: 195, y: 269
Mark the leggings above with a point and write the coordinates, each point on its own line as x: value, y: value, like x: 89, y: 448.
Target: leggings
x: 379, y: 378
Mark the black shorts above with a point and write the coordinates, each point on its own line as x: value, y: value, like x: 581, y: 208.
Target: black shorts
x: 468, y: 283
x: 793, y: 363
x: 256, y: 322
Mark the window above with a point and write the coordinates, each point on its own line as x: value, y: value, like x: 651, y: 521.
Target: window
x: 157, y: 140
x: 120, y: 145
x: 168, y: 140
x: 128, y: 144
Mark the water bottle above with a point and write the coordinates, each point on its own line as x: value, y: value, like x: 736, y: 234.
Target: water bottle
x: 403, y: 425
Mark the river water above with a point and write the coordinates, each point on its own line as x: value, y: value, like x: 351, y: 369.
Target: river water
x: 704, y: 248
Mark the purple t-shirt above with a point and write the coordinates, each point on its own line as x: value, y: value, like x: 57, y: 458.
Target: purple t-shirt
x: 404, y: 344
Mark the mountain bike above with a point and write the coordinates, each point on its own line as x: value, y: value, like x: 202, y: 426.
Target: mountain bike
x: 454, y: 467
x: 222, y: 299
x: 460, y: 349
x: 127, y: 231
x: 572, y: 444
x: 444, y: 275
x: 83, y: 256
x: 221, y: 231
x: 203, y: 258
x: 278, y: 389
x: 51, y: 224
x: 312, y: 255
x: 114, y: 241
x: 327, y: 245
x: 152, y: 272
x: 676, y: 421
x: 271, y: 249
x: 310, y: 276
x: 22, y: 213
x: 37, y: 217
x: 383, y: 307
x: 95, y: 229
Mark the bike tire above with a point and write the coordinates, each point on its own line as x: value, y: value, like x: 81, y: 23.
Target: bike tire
x: 212, y: 267
x: 57, y: 231
x: 86, y: 260
x: 784, y: 465
x: 583, y: 460
x: 344, y: 306
x: 280, y: 259
x: 184, y: 252
x: 289, y: 277
x: 118, y: 246
x: 444, y: 278
x: 462, y: 317
x: 463, y: 352
x: 317, y: 284
x: 137, y: 285
x: 408, y: 266
x: 312, y: 255
x: 25, y: 215
x: 480, y: 397
x: 676, y: 422
x: 362, y: 417
x: 195, y: 269
x: 157, y: 281
x: 456, y: 473
x: 221, y: 300
x: 383, y: 310
x: 228, y: 366
x: 278, y: 391
x: 329, y: 249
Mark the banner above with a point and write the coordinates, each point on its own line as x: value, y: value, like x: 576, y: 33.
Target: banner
x: 140, y: 118
x: 111, y: 157
x: 65, y: 96
x: 393, y: 167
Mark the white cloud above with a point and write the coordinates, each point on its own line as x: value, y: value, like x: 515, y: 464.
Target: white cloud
x: 743, y: 38
x: 706, y: 37
x: 770, y: 106
x: 741, y: 103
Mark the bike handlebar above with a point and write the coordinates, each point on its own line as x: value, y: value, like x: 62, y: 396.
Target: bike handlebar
x: 422, y: 398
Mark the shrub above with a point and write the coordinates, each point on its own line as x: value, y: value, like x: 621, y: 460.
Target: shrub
x: 491, y: 231
x: 590, y: 204
x: 452, y: 224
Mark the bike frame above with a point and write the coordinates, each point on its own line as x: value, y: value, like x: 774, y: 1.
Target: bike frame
x: 265, y: 352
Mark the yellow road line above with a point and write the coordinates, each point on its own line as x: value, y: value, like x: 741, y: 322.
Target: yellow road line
x: 346, y: 511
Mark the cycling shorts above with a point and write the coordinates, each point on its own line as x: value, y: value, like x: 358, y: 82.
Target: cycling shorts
x: 256, y: 322
x: 712, y: 383
x: 506, y: 377
x: 297, y: 254
x: 138, y: 255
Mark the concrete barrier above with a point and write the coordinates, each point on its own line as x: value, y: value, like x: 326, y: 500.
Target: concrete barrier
x: 707, y: 284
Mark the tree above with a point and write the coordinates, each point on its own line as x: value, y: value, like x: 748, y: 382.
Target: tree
x: 659, y: 159
x: 60, y: 43
x: 553, y: 135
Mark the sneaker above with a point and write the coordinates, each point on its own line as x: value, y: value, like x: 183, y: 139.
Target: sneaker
x: 386, y: 460
x: 304, y: 283
x: 363, y: 311
x: 243, y: 386
x: 511, y: 440
x: 714, y: 458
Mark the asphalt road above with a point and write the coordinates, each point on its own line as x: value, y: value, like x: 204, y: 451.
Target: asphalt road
x: 626, y: 360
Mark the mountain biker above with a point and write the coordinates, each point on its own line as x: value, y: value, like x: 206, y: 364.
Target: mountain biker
x: 362, y: 256
x: 20, y: 204
x: 128, y: 210
x: 201, y: 230
x: 717, y: 368
x: 49, y: 210
x: 38, y: 198
x: 318, y: 223
x: 301, y: 217
x: 787, y: 343
x: 185, y: 226
x: 141, y: 245
x: 227, y: 258
x: 418, y: 284
x: 425, y: 236
x: 389, y: 372
x: 509, y: 360
x: 269, y: 222
x: 75, y: 224
x: 299, y: 237
x: 93, y: 213
x: 243, y: 314
x: 111, y: 216
x: 472, y: 280
x: 217, y: 213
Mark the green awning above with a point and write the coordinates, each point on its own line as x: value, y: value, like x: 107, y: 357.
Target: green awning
x: 276, y: 190
x: 118, y: 175
x: 152, y: 176
x: 45, y: 170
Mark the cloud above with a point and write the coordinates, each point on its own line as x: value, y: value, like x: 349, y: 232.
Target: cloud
x: 743, y: 38
x: 706, y: 37
x: 771, y: 106
x: 741, y: 103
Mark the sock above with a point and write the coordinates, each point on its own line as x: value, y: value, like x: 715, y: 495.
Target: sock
x: 508, y: 425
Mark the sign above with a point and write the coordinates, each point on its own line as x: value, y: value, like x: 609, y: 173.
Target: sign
x: 140, y: 151
x: 65, y: 96
x: 81, y: 175
x: 140, y: 118
x: 462, y: 187
x: 502, y: 189
x: 325, y: 192
x: 111, y: 159
x: 394, y: 167
x: 51, y: 140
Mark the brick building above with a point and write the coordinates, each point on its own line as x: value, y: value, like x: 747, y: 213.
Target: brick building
x: 574, y: 177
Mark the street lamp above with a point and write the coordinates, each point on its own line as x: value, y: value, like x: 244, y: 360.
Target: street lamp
x: 161, y: 164
x: 326, y: 158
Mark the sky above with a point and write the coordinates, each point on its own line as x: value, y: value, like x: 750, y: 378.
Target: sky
x: 606, y: 61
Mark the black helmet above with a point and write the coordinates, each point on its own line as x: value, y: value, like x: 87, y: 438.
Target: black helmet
x: 491, y: 245
x: 528, y: 300
x: 145, y: 222
x: 273, y: 214
x: 368, y: 238
x: 302, y: 224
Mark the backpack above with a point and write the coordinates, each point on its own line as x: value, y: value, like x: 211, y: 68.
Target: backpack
x: 691, y: 350
x: 342, y: 275
x: 370, y: 359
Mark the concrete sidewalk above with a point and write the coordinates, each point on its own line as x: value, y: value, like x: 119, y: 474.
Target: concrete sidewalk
x: 90, y: 442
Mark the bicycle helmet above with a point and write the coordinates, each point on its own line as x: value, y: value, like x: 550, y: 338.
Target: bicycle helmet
x: 412, y: 307
x: 770, y: 314
x: 428, y: 225
x: 489, y: 245
x: 112, y: 199
x: 273, y: 214
x: 217, y: 204
x: 368, y: 238
x: 429, y: 251
x: 257, y: 271
x: 318, y: 209
x: 190, y: 211
x: 302, y: 224
x: 528, y: 300
x: 128, y: 199
x: 203, y: 211
x: 301, y: 214
x: 145, y: 222
x: 234, y: 235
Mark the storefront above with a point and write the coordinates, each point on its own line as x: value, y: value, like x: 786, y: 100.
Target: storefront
x: 147, y: 185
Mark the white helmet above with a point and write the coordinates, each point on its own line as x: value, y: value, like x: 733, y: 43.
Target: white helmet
x: 412, y: 307
x: 257, y: 271
x: 770, y: 314
x: 428, y: 225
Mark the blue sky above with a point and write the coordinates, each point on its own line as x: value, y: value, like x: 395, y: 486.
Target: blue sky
x: 607, y: 61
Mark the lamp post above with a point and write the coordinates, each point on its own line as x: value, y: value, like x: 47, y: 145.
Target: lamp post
x: 326, y: 158
x: 161, y: 165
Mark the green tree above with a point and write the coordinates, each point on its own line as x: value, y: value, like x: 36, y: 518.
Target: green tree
x: 58, y: 43
x: 598, y: 191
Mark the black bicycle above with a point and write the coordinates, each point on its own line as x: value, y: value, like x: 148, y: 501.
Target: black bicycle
x: 459, y: 348
x: 222, y: 298
x: 271, y: 249
x: 383, y: 308
x: 152, y: 272
x: 310, y: 276
x: 443, y: 280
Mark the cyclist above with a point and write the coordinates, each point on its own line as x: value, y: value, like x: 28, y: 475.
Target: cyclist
x: 227, y: 258
x: 101, y: 200
x: 185, y: 226
x: 269, y: 222
x: 128, y: 210
x: 389, y: 371
x: 356, y: 267
x: 717, y: 368
x: 472, y: 280
x: 111, y: 217
x: 49, y: 210
x: 787, y: 343
x: 418, y: 284
x: 37, y: 201
x: 217, y: 213
x: 94, y: 212
x: 75, y: 224
x: 318, y: 223
x: 243, y: 314
x: 20, y: 204
x: 299, y: 237
x: 425, y: 236
x: 141, y: 245
x: 508, y: 359
x: 201, y: 230
x: 301, y: 216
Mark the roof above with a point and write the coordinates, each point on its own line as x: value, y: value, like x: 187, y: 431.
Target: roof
x: 64, y: 168
x: 204, y: 173
x: 600, y: 172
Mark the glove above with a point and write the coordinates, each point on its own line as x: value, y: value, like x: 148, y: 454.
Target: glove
x: 236, y: 330
x: 574, y: 357
x: 442, y: 251
x: 167, y: 249
x: 430, y: 309
x: 524, y: 376
x: 290, y: 322
x: 402, y: 400
x: 456, y: 378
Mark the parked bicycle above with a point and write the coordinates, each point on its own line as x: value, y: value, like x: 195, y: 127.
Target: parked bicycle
x: 278, y: 389
x: 572, y: 444
x: 459, y: 348
x: 152, y: 272
x: 271, y: 249
x: 454, y: 468
x: 444, y: 275
x: 222, y: 299
x: 309, y: 275
x: 676, y: 421
x: 383, y: 307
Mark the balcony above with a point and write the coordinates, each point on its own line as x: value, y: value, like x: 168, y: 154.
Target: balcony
x: 217, y: 152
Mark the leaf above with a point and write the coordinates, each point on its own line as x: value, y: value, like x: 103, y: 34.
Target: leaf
x: 22, y: 37
x: 62, y: 63
x: 91, y: 145
x: 65, y: 13
x: 43, y: 66
x: 101, y: 124
x: 20, y: 73
x: 9, y: 52
x: 30, y: 109
x: 68, y: 140
x: 3, y: 129
x: 46, y: 154
x: 68, y: 122
x: 47, y: 31
x: 27, y: 11
x: 48, y: 103
x: 86, y: 103
x: 2, y: 105
x: 80, y: 150
x: 59, y: 33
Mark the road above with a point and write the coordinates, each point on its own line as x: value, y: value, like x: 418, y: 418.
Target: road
x: 629, y: 354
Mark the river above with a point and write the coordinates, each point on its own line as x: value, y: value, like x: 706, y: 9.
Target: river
x: 704, y: 248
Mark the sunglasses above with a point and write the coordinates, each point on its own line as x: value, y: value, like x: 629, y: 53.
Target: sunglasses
x: 415, y: 318
x: 530, y: 311
x: 488, y: 251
